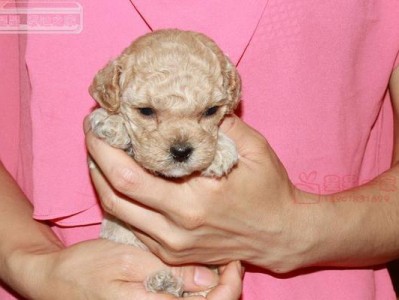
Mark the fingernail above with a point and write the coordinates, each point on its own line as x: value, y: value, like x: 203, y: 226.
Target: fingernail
x: 204, y: 277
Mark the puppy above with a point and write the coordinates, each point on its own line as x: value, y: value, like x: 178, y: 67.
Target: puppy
x: 162, y: 101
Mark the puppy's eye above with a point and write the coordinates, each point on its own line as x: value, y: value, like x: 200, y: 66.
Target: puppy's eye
x: 211, y: 111
x: 146, y: 111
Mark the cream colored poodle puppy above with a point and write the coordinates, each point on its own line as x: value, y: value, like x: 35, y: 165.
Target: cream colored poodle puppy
x: 162, y: 101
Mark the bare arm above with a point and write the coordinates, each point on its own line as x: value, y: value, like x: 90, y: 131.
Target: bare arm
x: 15, y: 219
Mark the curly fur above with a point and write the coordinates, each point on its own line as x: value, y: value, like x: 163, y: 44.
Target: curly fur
x: 169, y: 89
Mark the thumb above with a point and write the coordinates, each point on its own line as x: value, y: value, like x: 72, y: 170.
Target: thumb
x: 197, y: 278
x: 246, y: 138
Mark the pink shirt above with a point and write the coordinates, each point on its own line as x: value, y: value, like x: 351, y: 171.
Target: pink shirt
x: 315, y: 77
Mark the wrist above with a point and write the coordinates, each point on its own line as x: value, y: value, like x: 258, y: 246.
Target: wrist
x: 310, y: 225
x: 296, y: 228
x: 27, y: 268
x: 331, y: 230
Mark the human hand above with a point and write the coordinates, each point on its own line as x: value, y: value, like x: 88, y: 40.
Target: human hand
x: 101, y: 269
x: 248, y: 215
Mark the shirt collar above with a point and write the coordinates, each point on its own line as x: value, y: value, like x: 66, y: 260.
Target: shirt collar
x: 230, y: 23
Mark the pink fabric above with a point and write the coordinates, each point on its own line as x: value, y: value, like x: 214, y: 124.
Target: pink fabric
x: 59, y: 101
x: 314, y: 76
x: 9, y: 114
x: 230, y: 23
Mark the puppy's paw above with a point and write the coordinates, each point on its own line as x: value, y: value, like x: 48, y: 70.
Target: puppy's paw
x: 164, y: 282
x: 225, y: 158
x: 111, y: 128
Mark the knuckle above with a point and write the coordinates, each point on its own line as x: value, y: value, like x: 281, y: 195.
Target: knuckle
x: 175, y: 254
x: 157, y: 250
x: 174, y: 245
x: 192, y: 219
x: 121, y: 179
x: 169, y: 258
x: 109, y: 202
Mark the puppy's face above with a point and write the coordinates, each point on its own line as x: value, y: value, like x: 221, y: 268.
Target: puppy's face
x: 173, y: 89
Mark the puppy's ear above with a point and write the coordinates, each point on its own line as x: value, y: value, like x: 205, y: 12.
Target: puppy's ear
x: 105, y: 87
x: 232, y: 83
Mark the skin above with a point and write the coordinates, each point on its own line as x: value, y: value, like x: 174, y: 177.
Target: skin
x: 36, y: 264
x: 207, y: 222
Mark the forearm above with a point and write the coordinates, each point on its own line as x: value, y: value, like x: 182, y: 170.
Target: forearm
x: 19, y: 232
x: 358, y: 227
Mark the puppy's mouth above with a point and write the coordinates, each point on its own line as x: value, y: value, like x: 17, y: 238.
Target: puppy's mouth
x: 181, y: 161
x: 183, y: 164
x: 177, y: 159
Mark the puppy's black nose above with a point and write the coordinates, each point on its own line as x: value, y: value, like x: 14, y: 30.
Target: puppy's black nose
x: 181, y: 152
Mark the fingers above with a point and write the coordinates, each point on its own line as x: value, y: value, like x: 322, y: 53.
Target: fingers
x: 128, y: 210
x: 196, y: 278
x: 131, y: 266
x: 129, y: 178
x: 159, y: 230
x: 245, y: 137
x: 230, y: 285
